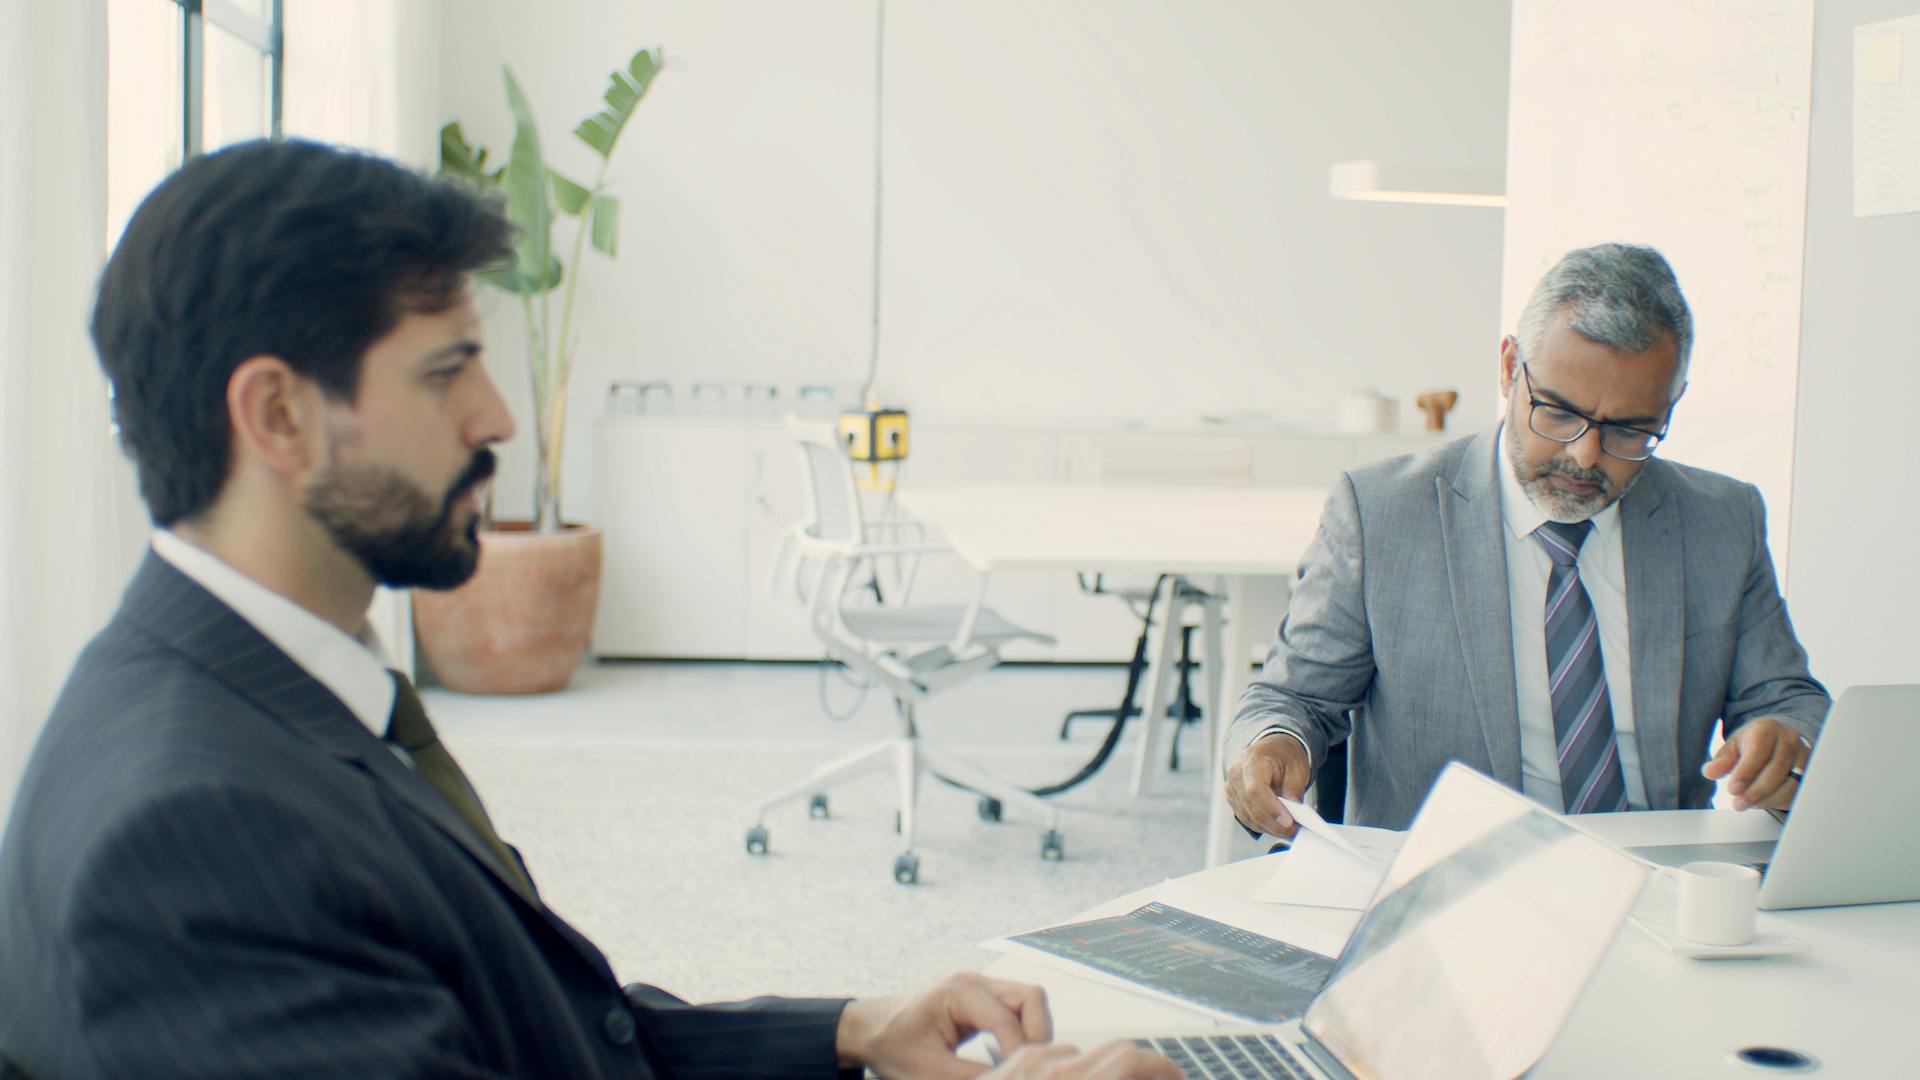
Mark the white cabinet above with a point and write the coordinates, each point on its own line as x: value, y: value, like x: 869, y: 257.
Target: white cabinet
x: 693, y: 509
x: 673, y: 506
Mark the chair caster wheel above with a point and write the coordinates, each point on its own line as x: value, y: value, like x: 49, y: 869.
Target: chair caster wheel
x: 989, y: 809
x: 817, y: 806
x: 1051, y: 849
x: 757, y: 840
x: 906, y: 869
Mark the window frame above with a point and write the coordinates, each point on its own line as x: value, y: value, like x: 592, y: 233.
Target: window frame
x: 267, y: 35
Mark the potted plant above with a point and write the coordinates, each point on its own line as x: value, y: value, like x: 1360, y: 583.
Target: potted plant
x: 522, y: 623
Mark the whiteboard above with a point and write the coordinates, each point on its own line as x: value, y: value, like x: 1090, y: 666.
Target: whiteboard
x: 1683, y: 126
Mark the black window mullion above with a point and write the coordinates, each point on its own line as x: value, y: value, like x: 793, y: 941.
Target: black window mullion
x: 193, y: 79
x: 276, y: 61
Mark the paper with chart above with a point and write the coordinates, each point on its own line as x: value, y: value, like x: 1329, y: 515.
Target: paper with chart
x: 1175, y: 954
x: 1334, y: 866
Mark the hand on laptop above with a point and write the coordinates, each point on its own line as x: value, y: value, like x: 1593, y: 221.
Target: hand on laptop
x: 1267, y: 769
x: 1757, y: 761
x: 916, y: 1036
x: 1117, y: 1060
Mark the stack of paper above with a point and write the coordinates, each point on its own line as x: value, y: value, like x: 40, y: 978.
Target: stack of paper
x: 1332, y: 866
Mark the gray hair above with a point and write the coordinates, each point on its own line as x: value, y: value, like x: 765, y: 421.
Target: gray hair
x: 1619, y: 295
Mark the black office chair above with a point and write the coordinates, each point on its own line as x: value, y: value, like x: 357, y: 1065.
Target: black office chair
x: 1330, y: 785
x: 1184, y: 710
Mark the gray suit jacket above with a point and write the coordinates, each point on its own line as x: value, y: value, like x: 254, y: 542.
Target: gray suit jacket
x: 1399, y: 639
x: 213, y: 869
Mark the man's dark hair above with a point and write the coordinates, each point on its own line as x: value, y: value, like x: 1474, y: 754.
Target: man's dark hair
x: 288, y: 249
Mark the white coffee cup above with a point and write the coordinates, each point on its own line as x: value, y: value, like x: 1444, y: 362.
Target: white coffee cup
x: 1714, y: 902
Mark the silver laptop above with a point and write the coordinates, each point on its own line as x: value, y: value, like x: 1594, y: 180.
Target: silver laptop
x: 1483, y: 934
x: 1841, y: 843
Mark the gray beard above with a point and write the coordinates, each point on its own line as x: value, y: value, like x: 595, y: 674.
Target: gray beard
x: 1555, y: 504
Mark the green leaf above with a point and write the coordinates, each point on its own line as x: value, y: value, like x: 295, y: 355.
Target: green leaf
x: 571, y: 196
x: 606, y: 224
x: 461, y: 160
x: 529, y: 203
x: 624, y: 91
x: 512, y: 280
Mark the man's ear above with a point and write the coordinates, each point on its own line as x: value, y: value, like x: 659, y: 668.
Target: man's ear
x: 275, y: 414
x: 1509, y: 365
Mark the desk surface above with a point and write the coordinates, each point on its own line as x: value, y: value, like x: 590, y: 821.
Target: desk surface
x: 1161, y: 530
x: 1849, y: 999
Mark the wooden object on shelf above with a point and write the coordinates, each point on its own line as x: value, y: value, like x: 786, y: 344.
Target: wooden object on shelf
x: 1436, y: 405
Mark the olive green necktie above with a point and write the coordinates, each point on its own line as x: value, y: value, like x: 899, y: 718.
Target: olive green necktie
x: 409, y: 728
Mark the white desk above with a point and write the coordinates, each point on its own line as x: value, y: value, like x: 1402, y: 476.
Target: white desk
x: 1849, y: 999
x: 1249, y: 538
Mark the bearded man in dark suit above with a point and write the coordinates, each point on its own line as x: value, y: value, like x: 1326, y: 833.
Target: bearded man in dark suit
x: 239, y: 849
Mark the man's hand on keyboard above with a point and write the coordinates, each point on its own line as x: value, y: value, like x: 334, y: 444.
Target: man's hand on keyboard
x: 1117, y: 1060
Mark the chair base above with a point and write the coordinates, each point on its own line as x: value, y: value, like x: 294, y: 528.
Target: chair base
x: 910, y: 761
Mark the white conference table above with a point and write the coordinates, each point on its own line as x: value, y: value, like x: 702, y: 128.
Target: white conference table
x: 1847, y: 1000
x: 1248, y: 540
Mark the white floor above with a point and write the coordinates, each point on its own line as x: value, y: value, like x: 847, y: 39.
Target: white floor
x: 630, y: 793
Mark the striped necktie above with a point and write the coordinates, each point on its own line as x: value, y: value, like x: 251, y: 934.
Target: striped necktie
x: 1590, y: 776
x: 410, y: 729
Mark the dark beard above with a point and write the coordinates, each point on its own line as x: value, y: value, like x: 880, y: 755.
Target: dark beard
x: 394, y: 529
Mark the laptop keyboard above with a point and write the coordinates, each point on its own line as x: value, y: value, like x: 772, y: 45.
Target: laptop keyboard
x: 1232, y: 1057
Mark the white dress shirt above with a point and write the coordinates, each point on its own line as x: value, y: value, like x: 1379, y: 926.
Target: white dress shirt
x: 355, y: 670
x: 1602, y: 567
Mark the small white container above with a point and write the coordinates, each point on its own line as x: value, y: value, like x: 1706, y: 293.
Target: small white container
x: 1365, y: 412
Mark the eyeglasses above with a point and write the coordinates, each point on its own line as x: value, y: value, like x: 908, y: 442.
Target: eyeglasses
x: 1564, y: 425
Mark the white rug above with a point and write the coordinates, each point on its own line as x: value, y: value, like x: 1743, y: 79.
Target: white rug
x: 641, y: 846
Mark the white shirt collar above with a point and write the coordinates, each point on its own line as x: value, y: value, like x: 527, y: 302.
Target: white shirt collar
x: 1522, y: 516
x: 354, y: 670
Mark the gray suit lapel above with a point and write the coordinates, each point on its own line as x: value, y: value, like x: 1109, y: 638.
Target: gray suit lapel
x: 177, y: 610
x: 1656, y: 628
x: 1470, y: 525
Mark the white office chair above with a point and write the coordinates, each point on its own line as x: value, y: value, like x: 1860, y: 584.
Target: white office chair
x: 824, y: 571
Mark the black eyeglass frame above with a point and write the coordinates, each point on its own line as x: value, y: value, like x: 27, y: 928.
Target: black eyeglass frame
x: 1587, y: 423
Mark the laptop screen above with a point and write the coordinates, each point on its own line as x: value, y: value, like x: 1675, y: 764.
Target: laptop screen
x: 1482, y: 935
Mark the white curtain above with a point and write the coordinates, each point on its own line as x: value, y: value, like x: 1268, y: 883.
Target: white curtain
x: 74, y: 528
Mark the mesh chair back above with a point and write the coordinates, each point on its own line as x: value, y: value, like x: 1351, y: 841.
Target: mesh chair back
x: 833, y: 505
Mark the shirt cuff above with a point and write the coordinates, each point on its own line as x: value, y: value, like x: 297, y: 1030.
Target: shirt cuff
x: 1277, y: 730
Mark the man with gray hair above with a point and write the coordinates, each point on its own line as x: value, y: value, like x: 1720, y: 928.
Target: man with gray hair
x: 1548, y: 602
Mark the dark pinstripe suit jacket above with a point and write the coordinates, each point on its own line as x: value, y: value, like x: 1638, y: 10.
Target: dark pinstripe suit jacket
x: 213, y: 869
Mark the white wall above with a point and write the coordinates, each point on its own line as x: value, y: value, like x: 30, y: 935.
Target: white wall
x: 365, y: 73
x: 1093, y: 210
x: 1855, y: 582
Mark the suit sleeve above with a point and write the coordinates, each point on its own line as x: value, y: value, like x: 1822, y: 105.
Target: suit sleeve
x: 776, y: 1038
x: 1769, y: 676
x: 1321, y: 661
x: 208, y: 950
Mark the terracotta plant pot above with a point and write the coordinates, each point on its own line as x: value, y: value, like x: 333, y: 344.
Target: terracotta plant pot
x: 521, y: 624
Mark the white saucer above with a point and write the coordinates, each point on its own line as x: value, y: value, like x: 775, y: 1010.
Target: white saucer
x: 1655, y: 917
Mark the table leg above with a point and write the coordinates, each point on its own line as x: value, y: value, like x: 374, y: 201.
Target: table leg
x: 1255, y: 605
x: 1161, y: 658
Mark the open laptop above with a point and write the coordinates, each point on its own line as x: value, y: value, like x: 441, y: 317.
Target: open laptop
x: 1483, y: 934
x: 1840, y: 844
